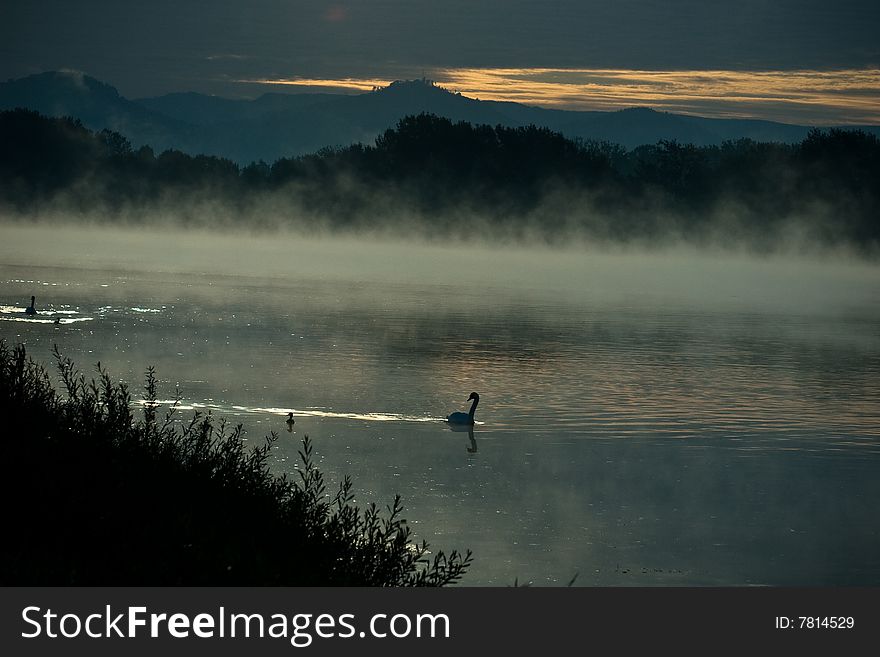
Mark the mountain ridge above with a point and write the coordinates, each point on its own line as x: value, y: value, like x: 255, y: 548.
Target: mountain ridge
x: 276, y: 125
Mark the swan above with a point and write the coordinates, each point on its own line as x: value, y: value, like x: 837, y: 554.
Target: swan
x: 290, y: 421
x: 30, y: 310
x: 465, y: 418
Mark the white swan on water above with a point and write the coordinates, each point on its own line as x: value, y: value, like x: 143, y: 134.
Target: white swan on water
x: 465, y: 418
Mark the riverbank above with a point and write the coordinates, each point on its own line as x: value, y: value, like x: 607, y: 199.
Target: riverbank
x: 94, y: 495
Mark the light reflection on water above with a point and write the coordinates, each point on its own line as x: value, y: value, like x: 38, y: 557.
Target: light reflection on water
x: 637, y: 442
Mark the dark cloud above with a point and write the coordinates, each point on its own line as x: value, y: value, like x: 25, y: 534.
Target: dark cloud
x: 154, y: 47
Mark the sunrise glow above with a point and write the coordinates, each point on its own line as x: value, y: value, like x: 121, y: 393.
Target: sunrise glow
x: 822, y: 97
x: 341, y: 84
x: 845, y: 96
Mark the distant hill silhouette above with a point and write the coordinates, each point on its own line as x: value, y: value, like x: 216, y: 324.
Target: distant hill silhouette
x: 279, y: 125
x: 98, y: 105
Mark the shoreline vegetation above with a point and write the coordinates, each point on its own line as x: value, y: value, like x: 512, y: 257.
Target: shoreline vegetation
x: 95, y: 496
x: 432, y: 177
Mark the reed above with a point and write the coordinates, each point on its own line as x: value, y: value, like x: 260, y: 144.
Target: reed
x: 97, y: 493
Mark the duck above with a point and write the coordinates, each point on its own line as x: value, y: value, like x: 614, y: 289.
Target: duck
x: 465, y: 418
x: 290, y: 421
x: 30, y: 310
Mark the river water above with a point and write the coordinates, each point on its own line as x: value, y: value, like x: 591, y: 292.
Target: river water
x: 645, y: 419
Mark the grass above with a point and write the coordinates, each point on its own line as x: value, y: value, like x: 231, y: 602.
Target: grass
x: 93, y: 495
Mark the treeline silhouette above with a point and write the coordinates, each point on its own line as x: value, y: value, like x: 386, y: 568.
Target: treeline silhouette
x: 448, y: 178
x: 97, y: 496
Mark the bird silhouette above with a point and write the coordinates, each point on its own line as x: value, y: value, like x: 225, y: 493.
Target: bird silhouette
x: 465, y: 418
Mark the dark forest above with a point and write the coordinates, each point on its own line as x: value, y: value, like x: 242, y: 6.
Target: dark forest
x: 434, y: 177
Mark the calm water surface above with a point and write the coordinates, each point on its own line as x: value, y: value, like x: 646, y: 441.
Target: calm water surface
x: 643, y: 421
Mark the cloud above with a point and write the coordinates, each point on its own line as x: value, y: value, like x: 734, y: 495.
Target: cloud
x: 842, y: 96
x: 344, y: 84
x: 220, y: 57
x: 336, y: 14
x: 810, y: 97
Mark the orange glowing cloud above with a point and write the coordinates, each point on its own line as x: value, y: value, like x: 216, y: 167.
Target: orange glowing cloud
x: 847, y: 96
x: 346, y: 84
x: 805, y: 96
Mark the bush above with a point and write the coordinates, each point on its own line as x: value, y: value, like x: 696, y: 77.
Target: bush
x: 94, y: 496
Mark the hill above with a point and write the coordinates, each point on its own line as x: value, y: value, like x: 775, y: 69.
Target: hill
x: 277, y: 125
x: 98, y: 105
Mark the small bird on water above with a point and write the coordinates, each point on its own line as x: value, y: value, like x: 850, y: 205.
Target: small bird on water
x: 290, y: 421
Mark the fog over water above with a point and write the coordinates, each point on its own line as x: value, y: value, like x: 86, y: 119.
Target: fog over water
x: 646, y: 418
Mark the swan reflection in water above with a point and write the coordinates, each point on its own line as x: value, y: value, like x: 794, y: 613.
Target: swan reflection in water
x: 469, y: 428
x: 465, y: 421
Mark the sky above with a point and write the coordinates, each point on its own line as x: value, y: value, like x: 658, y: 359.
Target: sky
x: 800, y: 61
